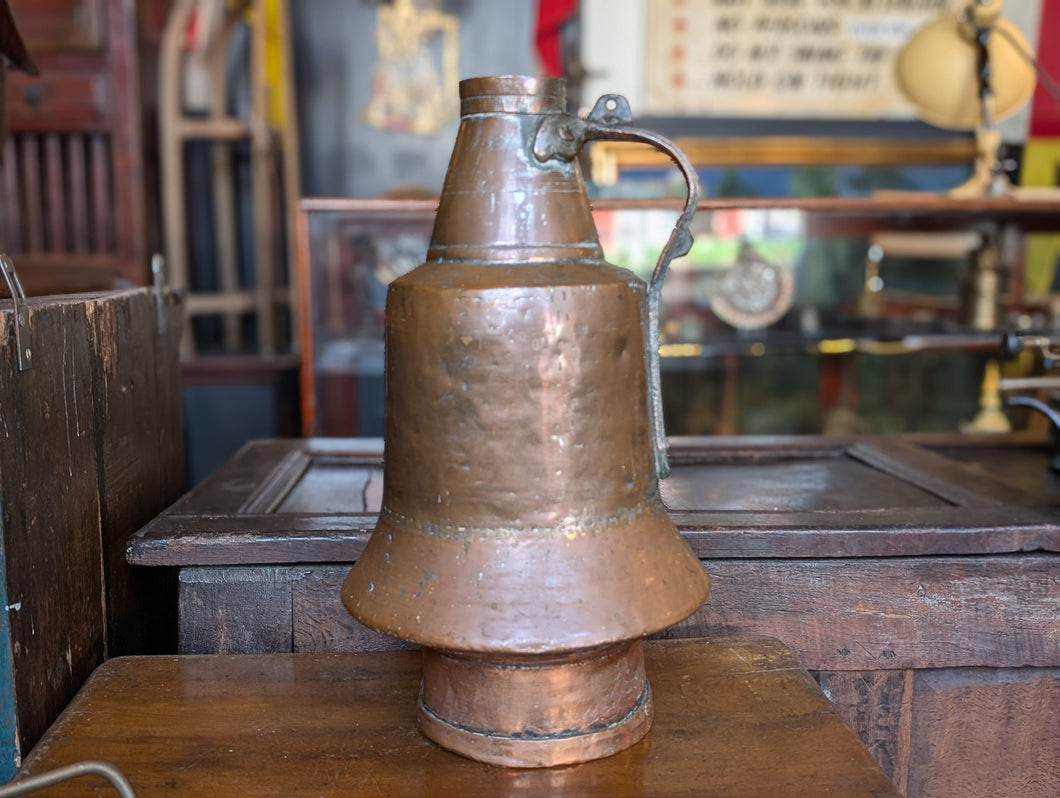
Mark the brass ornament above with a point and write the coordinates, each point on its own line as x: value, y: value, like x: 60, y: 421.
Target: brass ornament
x: 752, y: 293
x: 412, y: 88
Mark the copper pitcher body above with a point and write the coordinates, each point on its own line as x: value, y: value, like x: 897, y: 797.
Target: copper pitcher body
x: 522, y: 539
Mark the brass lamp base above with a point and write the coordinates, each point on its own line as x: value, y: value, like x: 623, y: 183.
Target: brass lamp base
x: 536, y: 710
x: 987, y: 179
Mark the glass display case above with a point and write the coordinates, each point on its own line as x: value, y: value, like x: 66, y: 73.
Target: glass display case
x: 349, y: 250
x: 789, y: 315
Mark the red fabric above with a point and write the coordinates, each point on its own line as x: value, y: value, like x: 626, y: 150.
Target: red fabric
x: 551, y: 15
x: 1045, y: 109
x: 193, y: 32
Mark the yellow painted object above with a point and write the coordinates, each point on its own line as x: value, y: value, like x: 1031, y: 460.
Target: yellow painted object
x: 276, y: 69
x: 1040, y: 168
x: 938, y: 71
x: 991, y: 417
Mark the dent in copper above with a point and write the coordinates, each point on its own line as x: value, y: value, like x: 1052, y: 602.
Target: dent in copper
x: 521, y: 525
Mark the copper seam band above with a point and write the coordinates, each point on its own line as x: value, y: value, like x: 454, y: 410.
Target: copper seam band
x: 639, y: 706
x: 587, y: 523
x: 510, y: 104
x: 517, y: 253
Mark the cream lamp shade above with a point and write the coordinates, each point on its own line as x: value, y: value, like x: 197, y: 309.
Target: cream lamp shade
x: 938, y: 69
x: 965, y: 72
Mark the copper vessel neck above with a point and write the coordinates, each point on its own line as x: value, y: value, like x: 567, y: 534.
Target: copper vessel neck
x: 500, y: 204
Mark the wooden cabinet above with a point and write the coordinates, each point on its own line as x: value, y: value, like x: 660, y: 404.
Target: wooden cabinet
x: 72, y: 197
x: 90, y: 449
x: 921, y: 590
x: 348, y: 251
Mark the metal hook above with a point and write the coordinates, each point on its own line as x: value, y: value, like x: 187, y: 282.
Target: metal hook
x: 158, y: 278
x: 18, y: 297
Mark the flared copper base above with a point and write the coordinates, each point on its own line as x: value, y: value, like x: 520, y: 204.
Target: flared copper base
x: 536, y: 711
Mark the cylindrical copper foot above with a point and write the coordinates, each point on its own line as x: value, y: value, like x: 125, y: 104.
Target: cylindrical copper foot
x: 536, y: 711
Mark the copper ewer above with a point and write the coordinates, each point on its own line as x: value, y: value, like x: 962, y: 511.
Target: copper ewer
x: 522, y: 540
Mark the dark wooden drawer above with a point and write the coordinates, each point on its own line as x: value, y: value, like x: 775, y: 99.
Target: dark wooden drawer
x: 57, y: 101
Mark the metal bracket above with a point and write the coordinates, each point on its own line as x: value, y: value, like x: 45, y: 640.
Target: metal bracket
x: 158, y: 280
x: 18, y: 297
x: 1012, y: 343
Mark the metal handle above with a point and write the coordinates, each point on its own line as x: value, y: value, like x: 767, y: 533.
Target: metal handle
x: 561, y: 136
x: 1037, y: 404
x: 50, y: 778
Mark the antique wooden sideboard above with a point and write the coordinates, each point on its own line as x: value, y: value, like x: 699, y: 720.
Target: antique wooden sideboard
x: 922, y: 590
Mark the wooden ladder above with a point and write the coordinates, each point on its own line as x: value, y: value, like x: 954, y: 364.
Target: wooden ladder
x: 273, y: 196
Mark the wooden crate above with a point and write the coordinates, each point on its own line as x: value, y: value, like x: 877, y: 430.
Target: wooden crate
x: 90, y: 449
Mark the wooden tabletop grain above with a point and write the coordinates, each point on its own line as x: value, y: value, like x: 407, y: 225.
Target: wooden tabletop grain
x: 735, y: 717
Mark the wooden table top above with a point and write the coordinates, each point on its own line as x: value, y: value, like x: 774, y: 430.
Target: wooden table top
x: 735, y: 717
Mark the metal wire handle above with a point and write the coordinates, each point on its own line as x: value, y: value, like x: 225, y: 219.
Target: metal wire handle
x: 561, y: 136
x: 93, y: 767
x: 610, y: 119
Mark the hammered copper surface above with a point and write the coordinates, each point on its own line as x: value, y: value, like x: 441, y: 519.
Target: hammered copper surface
x: 526, y: 516
x: 521, y: 510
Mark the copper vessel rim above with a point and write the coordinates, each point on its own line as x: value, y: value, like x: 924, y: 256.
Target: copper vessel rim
x: 512, y: 95
x: 513, y: 85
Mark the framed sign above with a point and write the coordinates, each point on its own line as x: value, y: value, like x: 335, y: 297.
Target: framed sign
x: 764, y: 58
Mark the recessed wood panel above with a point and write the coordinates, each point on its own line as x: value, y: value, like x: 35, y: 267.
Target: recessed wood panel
x: 51, y: 26
x: 833, y: 483
x: 984, y: 732
x: 316, y: 500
